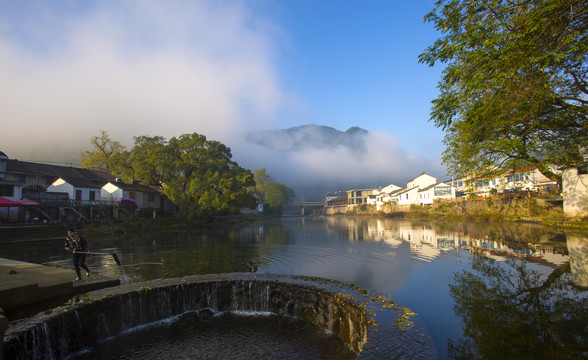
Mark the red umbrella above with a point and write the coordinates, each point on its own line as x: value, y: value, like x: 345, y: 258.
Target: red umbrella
x: 27, y: 202
x: 8, y: 203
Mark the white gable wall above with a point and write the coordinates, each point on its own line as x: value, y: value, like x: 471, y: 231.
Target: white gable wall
x: 390, y: 188
x: 421, y: 181
x: 62, y: 186
x: 575, y: 192
x: 111, y: 192
x: 408, y: 197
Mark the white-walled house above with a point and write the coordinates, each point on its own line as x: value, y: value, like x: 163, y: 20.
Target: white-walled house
x: 386, y: 197
x: 421, y: 181
x: 525, y: 179
x: 78, y: 189
x: 575, y: 191
x: 371, y: 199
x: 145, y: 196
x: 390, y: 188
x: 406, y: 196
x: 440, y: 190
x: 410, y: 195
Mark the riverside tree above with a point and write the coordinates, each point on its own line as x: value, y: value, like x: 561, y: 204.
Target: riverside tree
x: 196, y: 174
x: 106, y: 155
x: 514, y: 91
x: 274, y: 194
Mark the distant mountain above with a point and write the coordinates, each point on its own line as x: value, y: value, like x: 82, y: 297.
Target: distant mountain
x: 309, y: 136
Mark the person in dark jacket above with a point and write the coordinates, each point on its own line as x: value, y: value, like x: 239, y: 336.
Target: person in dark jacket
x: 78, y: 246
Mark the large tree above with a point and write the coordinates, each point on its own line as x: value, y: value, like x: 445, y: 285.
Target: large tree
x: 274, y: 194
x: 196, y: 174
x: 106, y: 155
x: 514, y: 91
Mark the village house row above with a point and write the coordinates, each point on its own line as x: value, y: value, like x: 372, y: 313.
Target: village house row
x: 425, y: 190
x: 35, y: 192
x: 31, y: 192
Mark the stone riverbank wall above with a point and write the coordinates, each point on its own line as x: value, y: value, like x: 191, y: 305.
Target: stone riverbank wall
x: 104, y: 313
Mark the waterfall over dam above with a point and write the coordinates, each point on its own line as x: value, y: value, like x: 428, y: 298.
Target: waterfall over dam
x: 106, y: 313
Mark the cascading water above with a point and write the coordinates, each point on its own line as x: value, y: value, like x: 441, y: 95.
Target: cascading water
x: 109, y: 314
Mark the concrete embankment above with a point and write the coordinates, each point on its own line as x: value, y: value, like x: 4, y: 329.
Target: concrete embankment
x: 26, y: 289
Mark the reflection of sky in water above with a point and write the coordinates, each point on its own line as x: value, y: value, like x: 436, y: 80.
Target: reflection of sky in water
x: 412, y: 261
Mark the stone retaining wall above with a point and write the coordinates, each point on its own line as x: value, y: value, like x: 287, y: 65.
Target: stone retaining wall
x: 107, y: 312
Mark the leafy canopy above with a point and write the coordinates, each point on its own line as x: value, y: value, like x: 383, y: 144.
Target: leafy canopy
x: 274, y: 194
x: 196, y: 174
x: 106, y: 155
x: 514, y: 91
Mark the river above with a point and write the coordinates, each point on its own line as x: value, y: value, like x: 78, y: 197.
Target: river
x: 501, y: 290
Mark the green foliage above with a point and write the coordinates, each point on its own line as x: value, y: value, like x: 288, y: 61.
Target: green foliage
x: 515, y: 85
x: 107, y: 154
x: 196, y: 174
x: 199, y: 176
x: 510, y: 311
x: 273, y: 194
x: 489, y: 202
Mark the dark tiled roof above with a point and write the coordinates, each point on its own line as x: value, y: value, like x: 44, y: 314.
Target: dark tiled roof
x: 75, y: 176
x: 85, y: 183
x: 104, y: 175
x: 402, y: 191
x: 432, y: 186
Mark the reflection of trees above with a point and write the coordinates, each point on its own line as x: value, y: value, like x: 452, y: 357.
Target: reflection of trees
x: 512, y: 312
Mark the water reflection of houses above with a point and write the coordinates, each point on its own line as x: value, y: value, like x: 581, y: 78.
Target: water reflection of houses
x: 425, y: 241
x: 546, y: 254
x: 429, y: 241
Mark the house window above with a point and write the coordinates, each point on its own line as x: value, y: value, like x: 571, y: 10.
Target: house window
x: 78, y: 195
x: 6, y: 190
x: 133, y: 195
x: 92, y: 195
x: 151, y: 198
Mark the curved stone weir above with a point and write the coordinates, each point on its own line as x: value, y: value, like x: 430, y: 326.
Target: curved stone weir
x: 106, y: 313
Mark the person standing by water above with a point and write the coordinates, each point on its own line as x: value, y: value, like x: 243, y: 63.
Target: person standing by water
x: 78, y: 246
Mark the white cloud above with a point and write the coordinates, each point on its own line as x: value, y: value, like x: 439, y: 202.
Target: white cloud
x: 163, y: 68
x: 137, y: 68
x: 382, y: 162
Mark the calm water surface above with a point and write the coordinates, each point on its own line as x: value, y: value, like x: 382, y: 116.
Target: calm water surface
x: 502, y: 290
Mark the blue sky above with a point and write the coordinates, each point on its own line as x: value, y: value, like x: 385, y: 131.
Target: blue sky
x: 219, y: 68
x: 355, y: 63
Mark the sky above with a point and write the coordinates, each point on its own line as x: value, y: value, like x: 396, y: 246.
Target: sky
x: 70, y: 69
